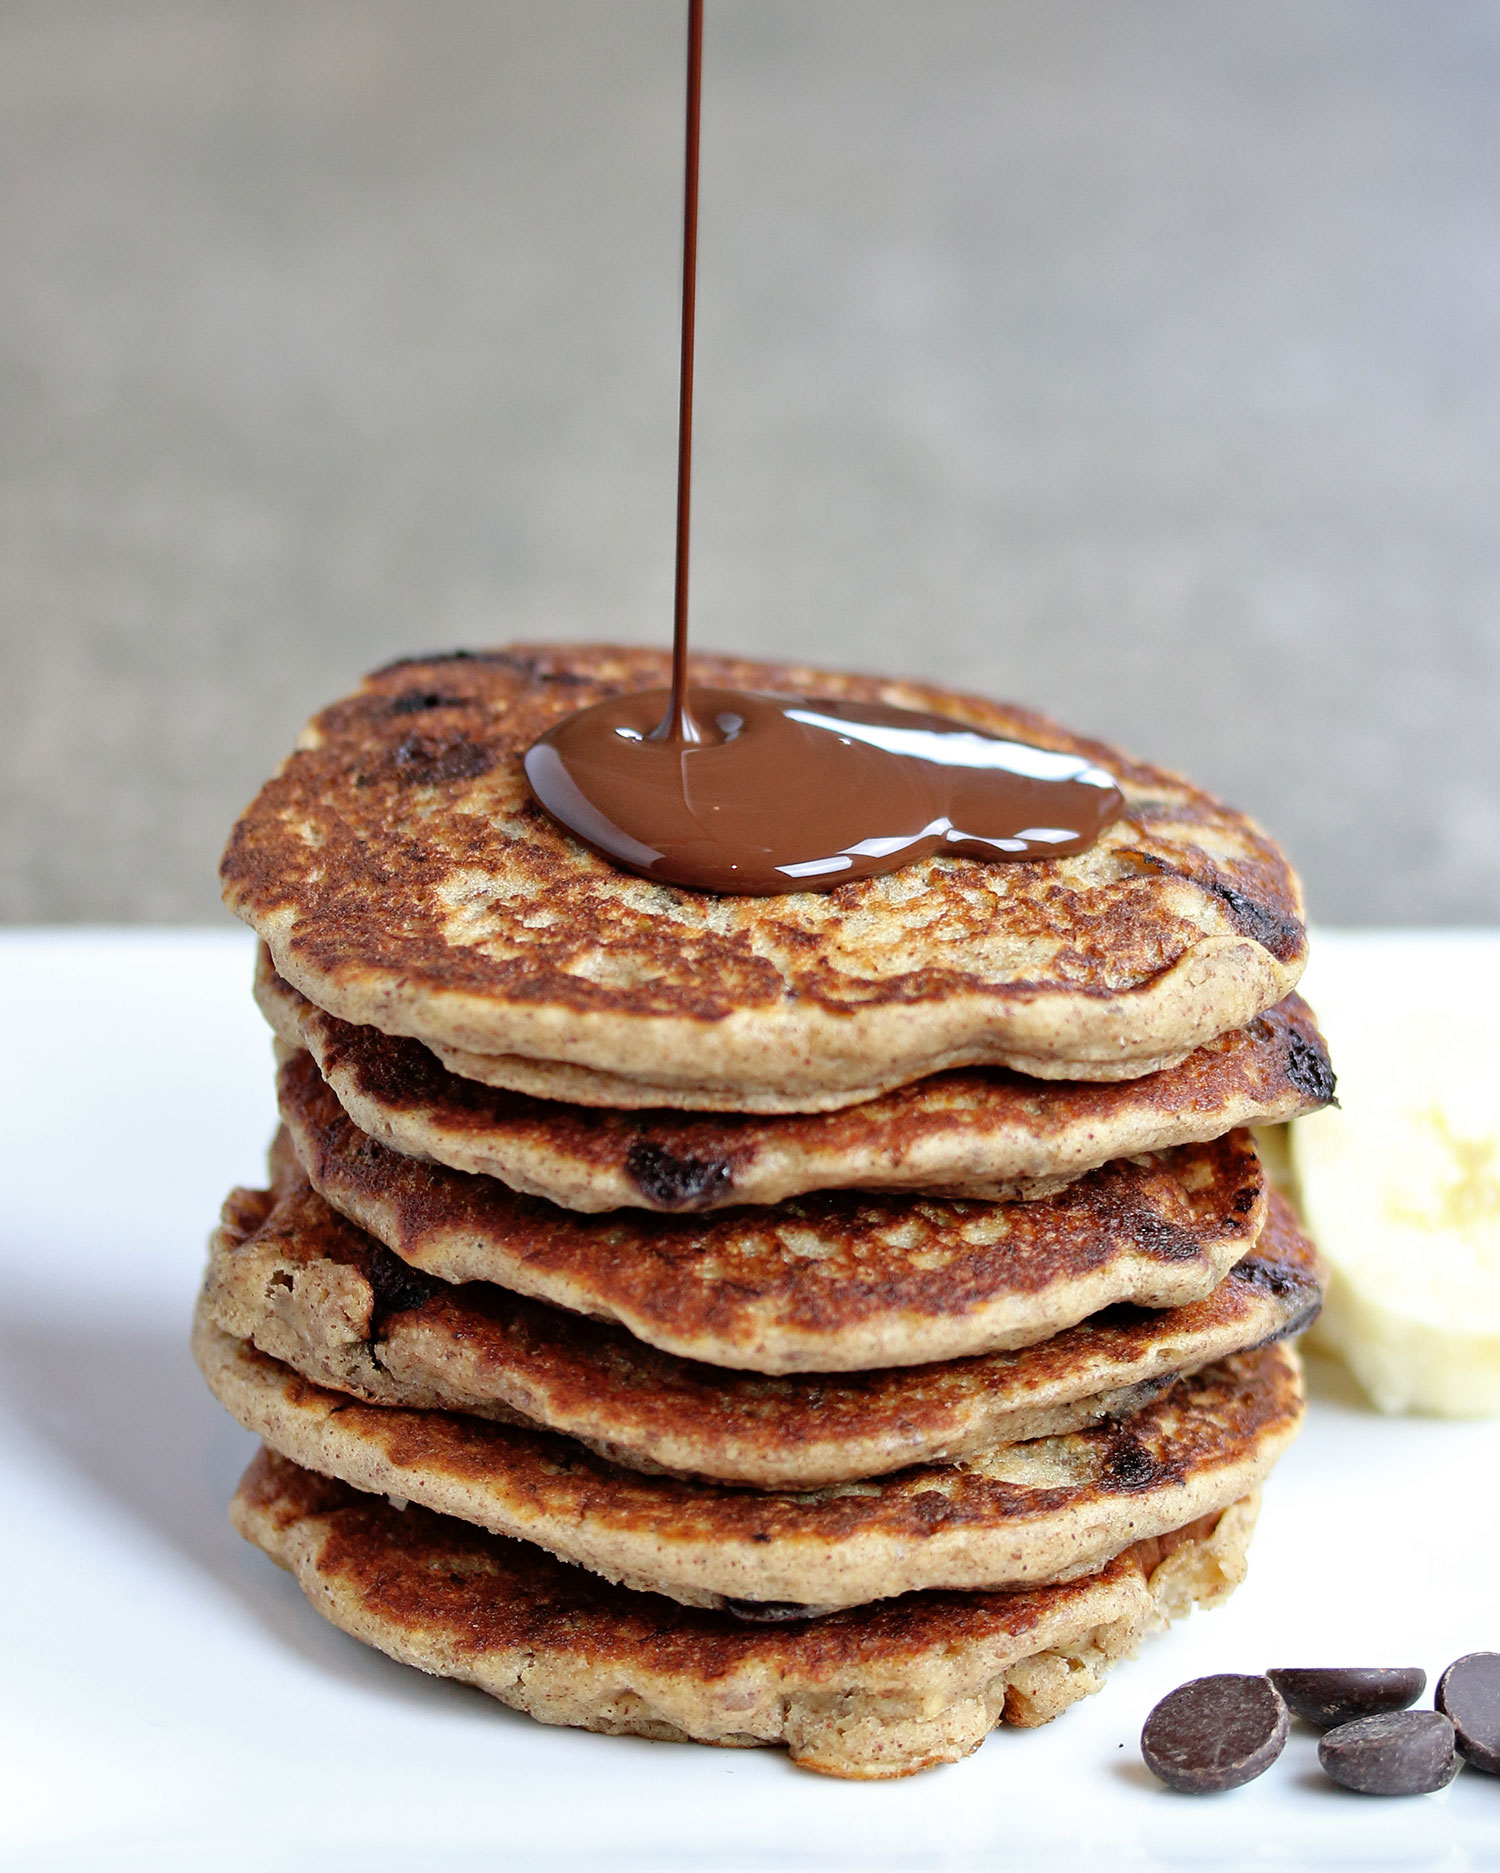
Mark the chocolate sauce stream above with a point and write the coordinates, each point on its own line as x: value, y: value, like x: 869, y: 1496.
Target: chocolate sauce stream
x: 678, y: 724
x: 722, y: 790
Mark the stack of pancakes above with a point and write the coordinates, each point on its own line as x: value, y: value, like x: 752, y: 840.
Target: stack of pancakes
x: 846, y: 1320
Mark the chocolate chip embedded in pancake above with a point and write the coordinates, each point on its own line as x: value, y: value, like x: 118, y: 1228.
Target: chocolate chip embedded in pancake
x: 310, y: 1289
x: 403, y: 877
x: 831, y: 1282
x: 876, y: 1692
x: 1015, y: 1516
x: 976, y: 1132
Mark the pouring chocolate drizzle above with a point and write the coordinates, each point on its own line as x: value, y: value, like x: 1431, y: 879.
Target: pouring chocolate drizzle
x: 732, y: 791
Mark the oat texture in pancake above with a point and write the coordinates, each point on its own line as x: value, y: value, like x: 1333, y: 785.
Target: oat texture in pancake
x: 288, y: 1273
x: 836, y: 1281
x: 403, y: 878
x: 974, y: 1132
x: 1016, y: 1516
x: 877, y: 1692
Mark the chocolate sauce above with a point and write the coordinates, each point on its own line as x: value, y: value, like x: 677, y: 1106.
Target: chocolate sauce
x: 724, y: 790
x: 778, y: 794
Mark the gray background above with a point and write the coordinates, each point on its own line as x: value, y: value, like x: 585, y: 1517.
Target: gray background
x: 1136, y: 358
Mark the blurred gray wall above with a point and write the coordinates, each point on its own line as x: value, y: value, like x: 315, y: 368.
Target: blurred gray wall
x: 1136, y: 358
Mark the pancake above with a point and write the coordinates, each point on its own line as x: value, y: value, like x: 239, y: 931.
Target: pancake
x: 311, y: 1290
x: 976, y: 1132
x: 404, y: 878
x: 882, y: 1691
x: 830, y: 1282
x: 1019, y: 1515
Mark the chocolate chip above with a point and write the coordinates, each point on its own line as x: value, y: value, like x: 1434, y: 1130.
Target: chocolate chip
x: 1130, y: 1465
x: 1468, y: 1694
x: 427, y: 762
x: 418, y: 701
x: 1400, y: 1752
x: 500, y: 657
x: 1310, y: 1071
x: 1162, y: 1239
x: 1330, y: 1695
x: 431, y: 656
x: 395, y: 1285
x: 1282, y: 936
x: 767, y: 1612
x: 1215, y: 1733
x: 673, y: 1183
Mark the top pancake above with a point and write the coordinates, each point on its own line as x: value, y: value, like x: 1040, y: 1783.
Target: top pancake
x: 404, y: 878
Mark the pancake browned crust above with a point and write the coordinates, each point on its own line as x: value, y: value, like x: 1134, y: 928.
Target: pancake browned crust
x: 1016, y: 1516
x: 877, y: 1692
x: 310, y: 1289
x: 404, y: 878
x: 975, y: 1132
x: 835, y: 1281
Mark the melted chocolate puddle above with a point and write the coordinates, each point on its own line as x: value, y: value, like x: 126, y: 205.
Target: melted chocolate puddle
x: 777, y: 794
x: 719, y: 790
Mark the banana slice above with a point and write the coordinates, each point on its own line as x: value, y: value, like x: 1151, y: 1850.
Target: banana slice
x: 1400, y: 1187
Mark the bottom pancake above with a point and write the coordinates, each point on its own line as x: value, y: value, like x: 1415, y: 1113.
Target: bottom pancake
x: 871, y: 1693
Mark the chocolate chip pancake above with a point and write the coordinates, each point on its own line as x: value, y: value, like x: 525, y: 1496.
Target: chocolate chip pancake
x: 1015, y: 1516
x: 877, y: 1692
x: 311, y: 1290
x: 976, y: 1132
x: 830, y: 1282
x: 404, y: 878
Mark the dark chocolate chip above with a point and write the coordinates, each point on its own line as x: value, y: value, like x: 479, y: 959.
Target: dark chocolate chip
x: 1215, y: 1733
x: 1330, y: 1695
x: 418, y: 701
x: 538, y: 664
x: 500, y: 657
x: 673, y: 1183
x: 767, y: 1612
x: 1310, y: 1071
x: 1130, y: 1465
x: 1282, y: 1280
x: 1468, y: 1694
x: 1400, y: 1752
x: 396, y: 1286
x: 1278, y: 1278
x: 427, y: 762
x: 1282, y: 936
x: 1162, y: 1239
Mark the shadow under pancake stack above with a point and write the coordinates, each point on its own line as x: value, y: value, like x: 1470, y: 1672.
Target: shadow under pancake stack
x: 847, y: 1319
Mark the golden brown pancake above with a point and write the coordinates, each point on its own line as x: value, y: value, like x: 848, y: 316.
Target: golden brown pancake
x: 876, y: 1692
x: 830, y: 1282
x: 1017, y: 1516
x: 404, y: 878
x: 311, y: 1290
x: 976, y: 1132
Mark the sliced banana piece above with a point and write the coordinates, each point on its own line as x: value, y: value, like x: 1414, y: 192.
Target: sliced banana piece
x: 1400, y: 1186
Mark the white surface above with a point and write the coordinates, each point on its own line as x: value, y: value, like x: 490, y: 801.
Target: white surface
x: 168, y: 1699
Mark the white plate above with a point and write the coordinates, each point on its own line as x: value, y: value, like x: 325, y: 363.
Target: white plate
x: 168, y: 1699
